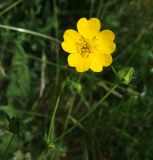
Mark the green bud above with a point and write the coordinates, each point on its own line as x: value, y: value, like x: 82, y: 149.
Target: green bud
x: 125, y: 75
x: 77, y: 86
x: 51, y: 146
x: 74, y: 86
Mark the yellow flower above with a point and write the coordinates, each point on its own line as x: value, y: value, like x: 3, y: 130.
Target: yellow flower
x: 89, y: 48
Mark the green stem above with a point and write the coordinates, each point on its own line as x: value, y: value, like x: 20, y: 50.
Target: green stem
x: 7, y: 148
x: 51, y: 128
x: 57, y: 47
x: 66, y: 121
x: 10, y: 7
x: 47, y: 61
x: 89, y: 113
x: 91, y: 8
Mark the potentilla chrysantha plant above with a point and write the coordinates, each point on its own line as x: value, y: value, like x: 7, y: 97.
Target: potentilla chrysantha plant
x: 89, y: 48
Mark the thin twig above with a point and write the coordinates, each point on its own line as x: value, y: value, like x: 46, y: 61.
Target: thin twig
x: 43, y: 68
x: 30, y: 32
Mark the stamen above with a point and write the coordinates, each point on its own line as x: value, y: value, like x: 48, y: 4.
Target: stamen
x: 83, y: 47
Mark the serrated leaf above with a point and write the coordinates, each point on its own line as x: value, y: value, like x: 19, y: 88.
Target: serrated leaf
x: 20, y: 76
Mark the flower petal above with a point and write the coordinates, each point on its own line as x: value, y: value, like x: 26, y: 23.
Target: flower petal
x: 73, y: 60
x: 100, y: 60
x: 82, y: 64
x: 106, y: 59
x: 104, y: 41
x: 107, y: 34
x: 96, y: 63
x: 70, y: 38
x: 88, y: 28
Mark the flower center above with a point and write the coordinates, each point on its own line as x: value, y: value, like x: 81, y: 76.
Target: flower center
x: 83, y: 47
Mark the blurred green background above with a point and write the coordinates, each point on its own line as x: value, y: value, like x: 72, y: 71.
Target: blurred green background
x: 35, y: 79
